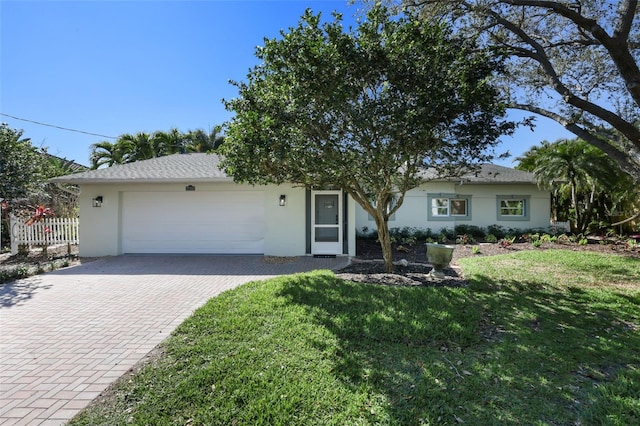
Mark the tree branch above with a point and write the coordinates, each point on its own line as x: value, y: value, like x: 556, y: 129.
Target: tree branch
x: 616, y: 46
x: 621, y: 157
x: 539, y: 55
x: 629, y: 219
x: 627, y: 13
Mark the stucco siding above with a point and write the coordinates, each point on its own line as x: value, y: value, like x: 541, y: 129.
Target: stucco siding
x: 101, y: 227
x: 412, y: 213
x: 285, y: 225
x: 485, y: 205
x: 482, y: 207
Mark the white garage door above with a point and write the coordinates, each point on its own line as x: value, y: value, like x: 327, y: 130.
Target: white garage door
x: 225, y: 222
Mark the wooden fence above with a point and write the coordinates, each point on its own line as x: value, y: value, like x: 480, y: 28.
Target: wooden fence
x: 49, y: 232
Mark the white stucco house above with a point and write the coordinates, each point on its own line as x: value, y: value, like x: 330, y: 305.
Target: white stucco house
x: 494, y: 195
x: 184, y: 203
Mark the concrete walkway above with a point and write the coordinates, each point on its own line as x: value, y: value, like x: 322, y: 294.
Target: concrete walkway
x: 67, y: 335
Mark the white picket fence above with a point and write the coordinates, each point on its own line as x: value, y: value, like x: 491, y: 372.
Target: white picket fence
x: 49, y: 232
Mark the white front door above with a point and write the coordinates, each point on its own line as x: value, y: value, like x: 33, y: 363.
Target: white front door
x: 326, y: 222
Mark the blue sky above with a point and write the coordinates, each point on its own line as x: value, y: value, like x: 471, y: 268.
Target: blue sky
x: 114, y: 67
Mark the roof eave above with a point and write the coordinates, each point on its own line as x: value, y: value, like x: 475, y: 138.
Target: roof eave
x: 81, y: 181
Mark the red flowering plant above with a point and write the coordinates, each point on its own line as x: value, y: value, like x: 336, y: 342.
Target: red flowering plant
x: 39, y: 215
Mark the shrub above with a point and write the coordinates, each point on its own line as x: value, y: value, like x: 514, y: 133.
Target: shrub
x: 471, y: 230
x: 14, y: 274
x: 465, y: 239
x: 490, y: 238
x: 366, y: 233
x: 410, y: 235
x: 446, y: 234
x: 546, y: 238
x: 507, y: 241
x: 497, y: 230
x: 423, y: 233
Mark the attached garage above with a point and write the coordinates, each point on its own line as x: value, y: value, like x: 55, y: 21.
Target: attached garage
x: 187, y: 204
x: 223, y: 222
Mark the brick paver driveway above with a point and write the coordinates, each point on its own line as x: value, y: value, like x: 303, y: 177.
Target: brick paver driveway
x: 66, y: 335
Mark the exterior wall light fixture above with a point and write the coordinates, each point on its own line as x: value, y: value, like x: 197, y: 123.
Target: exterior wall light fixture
x: 97, y: 202
x: 283, y: 200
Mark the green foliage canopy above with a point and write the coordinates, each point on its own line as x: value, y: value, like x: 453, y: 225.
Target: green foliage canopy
x: 24, y: 168
x: 588, y: 188
x: 392, y: 97
x: 363, y: 110
x: 144, y: 146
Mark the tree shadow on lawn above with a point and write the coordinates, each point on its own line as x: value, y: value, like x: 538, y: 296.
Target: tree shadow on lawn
x: 494, y: 352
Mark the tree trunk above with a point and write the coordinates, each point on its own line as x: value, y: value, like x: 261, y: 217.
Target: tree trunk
x: 385, y: 241
x: 576, y: 209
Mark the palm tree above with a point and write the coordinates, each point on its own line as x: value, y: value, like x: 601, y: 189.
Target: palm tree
x: 171, y: 142
x: 140, y: 146
x: 108, y: 154
x: 579, y: 175
x: 201, y: 141
x: 143, y: 146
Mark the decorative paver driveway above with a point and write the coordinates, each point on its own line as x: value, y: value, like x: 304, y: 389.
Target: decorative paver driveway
x: 66, y: 335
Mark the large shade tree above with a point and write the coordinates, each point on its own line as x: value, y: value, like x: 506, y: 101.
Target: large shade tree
x: 24, y: 168
x: 572, y: 61
x: 363, y: 110
x: 24, y: 173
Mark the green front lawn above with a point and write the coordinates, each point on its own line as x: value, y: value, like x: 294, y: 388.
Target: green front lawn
x: 548, y: 338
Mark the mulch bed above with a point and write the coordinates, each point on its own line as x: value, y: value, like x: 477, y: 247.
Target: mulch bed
x: 412, y: 275
x: 368, y: 267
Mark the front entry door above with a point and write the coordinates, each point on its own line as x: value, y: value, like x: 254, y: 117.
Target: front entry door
x: 326, y: 222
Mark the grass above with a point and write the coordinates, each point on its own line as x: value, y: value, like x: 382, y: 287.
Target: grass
x: 540, y: 338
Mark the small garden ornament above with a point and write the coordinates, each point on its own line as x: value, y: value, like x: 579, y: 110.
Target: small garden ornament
x: 439, y: 256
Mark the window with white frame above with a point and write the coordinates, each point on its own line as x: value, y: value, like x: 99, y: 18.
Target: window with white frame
x: 440, y: 207
x: 447, y: 207
x: 513, y: 207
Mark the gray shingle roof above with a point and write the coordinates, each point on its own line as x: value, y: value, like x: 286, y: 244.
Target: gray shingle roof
x: 205, y: 168
x: 492, y: 173
x: 171, y: 168
x: 487, y: 173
